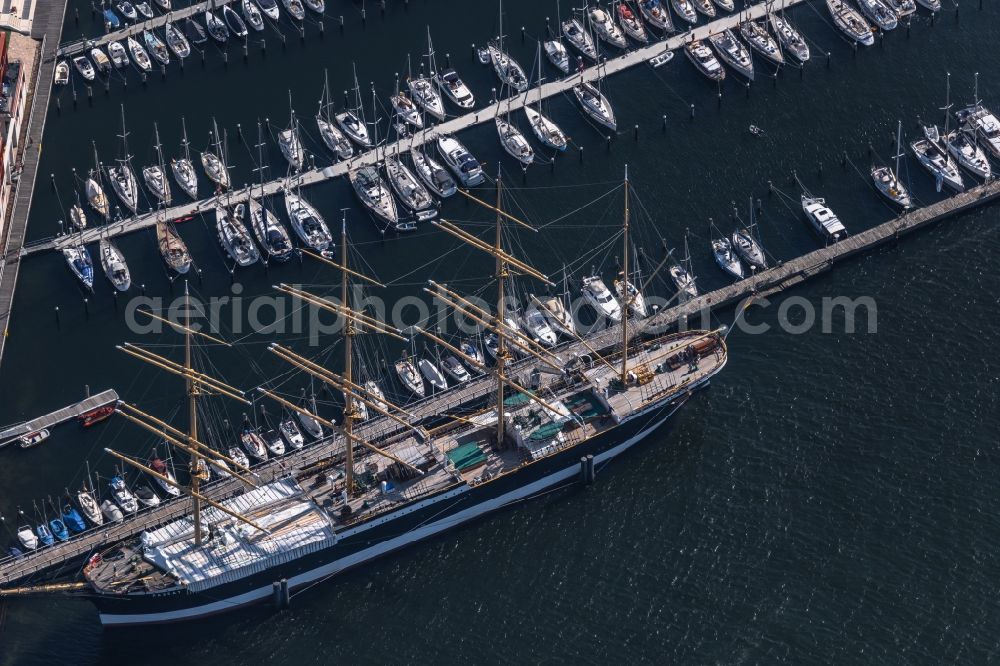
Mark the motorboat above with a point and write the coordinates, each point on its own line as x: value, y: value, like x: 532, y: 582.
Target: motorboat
x: 237, y: 455
x: 77, y: 217
x: 932, y: 5
x: 270, y: 8
x: 537, y: 326
x: 234, y: 22
x: 606, y: 28
x: 194, y: 32
x: 629, y: 294
x: 850, y: 22
x: 291, y: 147
x: 354, y: 128
x: 556, y: 313
x: 425, y: 93
x: 33, y: 438
x: 156, y: 47
x: 101, y: 61
x: 491, y: 342
x: 97, y: 415
x: 293, y: 436
x: 472, y: 351
x: 334, y: 138
x: 823, y: 219
x: 410, y: 190
x: 631, y: 24
x: 962, y: 146
x: 127, y: 10
x: 938, y: 163
x: 172, y: 247
x: 595, y: 105
x: 269, y: 232
x: 79, y: 262
x: 146, y: 496
x: 725, y: 5
x: 406, y: 110
x: 123, y: 183
x: 453, y: 368
x: 216, y: 27
x: 27, y: 537
x: 252, y: 15
x: 465, y: 167
x: 985, y: 127
x: 879, y: 13
x: 307, y: 223
x: 111, y: 511
x: 111, y: 20
x: 177, y: 42
x: 507, y: 69
x: 596, y: 293
x: 704, y: 60
x: 449, y: 83
x: 144, y: 9
x: 432, y: 374
x: 514, y: 142
x: 761, y: 41
x: 661, y: 59
x: 85, y: 67
x: 139, y: 55
x: 118, y: 53
x: 557, y: 54
x: 167, y: 484
x: 409, y: 377
x: 58, y: 529
x: 273, y: 440
x: 122, y: 496
x: 373, y: 193
x: 685, y: 9
x: 704, y: 7
x: 902, y: 7
x: 62, y: 73
x: 163, y: 4
x: 732, y: 52
x: 44, y: 534
x: 295, y: 9
x: 546, y: 130
x: 748, y: 249
x: 217, y: 172
x: 656, y: 14
x: 789, y: 38
x: 88, y: 505
x: 252, y: 442
x: 579, y: 38
x: 234, y: 237
x: 113, y: 263
x: 726, y: 258
x: 432, y: 173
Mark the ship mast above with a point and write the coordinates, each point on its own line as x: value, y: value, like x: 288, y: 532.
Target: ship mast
x: 192, y: 393
x: 349, y: 331
x: 501, y: 268
x: 626, y: 296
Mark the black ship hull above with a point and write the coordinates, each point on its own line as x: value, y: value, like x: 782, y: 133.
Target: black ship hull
x: 388, y: 532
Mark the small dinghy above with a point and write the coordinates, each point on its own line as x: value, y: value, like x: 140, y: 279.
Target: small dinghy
x: 115, y: 268
x: 661, y: 59
x: 62, y: 73
x: 118, y: 53
x: 433, y: 174
x: 78, y: 259
x: 139, y: 55
x: 216, y: 27
x: 514, y: 142
x: 253, y: 17
x: 409, y: 376
x: 727, y: 260
x: 111, y: 511
x: 85, y: 67
x: 122, y: 496
x: 177, y: 42
x: 235, y: 23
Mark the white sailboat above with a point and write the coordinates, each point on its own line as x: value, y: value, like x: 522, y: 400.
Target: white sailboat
x: 307, y: 223
x: 182, y: 167
x: 514, y: 142
x: 113, y: 263
x: 546, y: 130
x: 328, y: 131
x: 424, y: 90
x: 352, y: 121
x: 155, y: 175
x: 289, y: 143
x: 122, y: 177
x: 212, y: 162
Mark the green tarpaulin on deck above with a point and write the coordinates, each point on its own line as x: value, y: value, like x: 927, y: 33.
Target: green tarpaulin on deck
x: 466, y: 456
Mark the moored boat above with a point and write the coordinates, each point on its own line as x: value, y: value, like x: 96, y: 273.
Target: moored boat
x: 461, y: 162
x: 514, y: 142
x: 61, y: 73
x: 85, y: 67
x: 761, y: 41
x: 732, y: 52
x: 850, y: 22
x: 373, y: 193
x: 432, y: 173
x: 307, y: 223
x: 704, y: 60
x: 726, y: 259
x: 789, y: 38
x: 172, y: 247
x: 410, y: 191
x: 233, y: 236
x: 113, y: 263
x: 823, y: 220
x: 595, y: 105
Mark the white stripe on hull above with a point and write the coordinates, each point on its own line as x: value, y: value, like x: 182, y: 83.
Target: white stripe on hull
x: 385, y: 547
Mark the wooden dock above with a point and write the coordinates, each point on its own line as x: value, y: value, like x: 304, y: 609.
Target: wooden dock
x: 481, y: 116
x: 53, y: 419
x: 71, y: 49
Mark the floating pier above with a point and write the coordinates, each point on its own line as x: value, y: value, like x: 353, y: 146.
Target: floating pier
x: 53, y: 419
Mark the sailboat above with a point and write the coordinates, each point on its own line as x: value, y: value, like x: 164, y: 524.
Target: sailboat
x: 177, y: 42
x: 961, y: 144
x: 165, y: 478
x: 683, y: 277
x: 761, y: 41
x: 139, y: 55
x: 546, y: 130
x: 122, y: 177
x: 555, y: 50
x: 685, y: 9
x: 113, y: 263
x: 156, y: 47
x: 252, y: 15
x: 514, y: 142
x: 406, y: 110
x: 233, y: 236
x: 595, y: 105
x: 410, y: 191
x: 507, y: 69
x: 902, y: 8
x: 352, y: 121
x: 887, y: 180
x: 78, y: 259
x: 155, y: 176
x: 656, y: 14
x: 183, y: 169
x: 295, y: 9
x: 372, y: 192
x: 630, y: 294
x: 433, y: 174
x: 172, y: 247
x: 77, y: 216
x: 579, y: 37
x: 409, y: 377
x: 880, y: 13
x: 212, y: 162
x: 289, y: 143
x: 96, y: 197
x: 424, y: 90
x: 307, y: 223
x: 746, y: 245
x: 216, y: 27
x: 606, y: 28
x: 732, y: 52
x: 789, y: 38
x: 332, y: 137
x: 269, y: 232
x: 984, y: 126
x: 705, y: 7
x: 850, y: 22
x: 631, y: 23
x: 726, y: 258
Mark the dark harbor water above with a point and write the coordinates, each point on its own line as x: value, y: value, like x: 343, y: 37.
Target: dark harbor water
x: 832, y: 498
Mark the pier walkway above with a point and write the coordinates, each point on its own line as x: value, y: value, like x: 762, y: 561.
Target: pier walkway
x: 477, y: 117
x: 53, y: 419
x: 461, y: 398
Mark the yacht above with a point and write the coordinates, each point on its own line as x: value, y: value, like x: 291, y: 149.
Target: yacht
x: 932, y: 5
x: 685, y: 9
x: 823, y: 220
x: 596, y: 293
x: 123, y: 183
x: 139, y: 55
x: 354, y: 128
x: 631, y: 24
x: 334, y: 138
x: 851, y: 22
x: 113, y: 263
x: 252, y: 15
x: 514, y: 142
x: 984, y: 126
x: 235, y: 23
x: 234, y: 237
x: 705, y: 7
x: 727, y: 260
x: 172, y: 247
x: 295, y: 9
x: 557, y: 54
x: 579, y: 38
x: 410, y: 190
x: 122, y: 496
x: 85, y: 67
x: 183, y: 169
x: 761, y: 41
x: 427, y: 96
x: 702, y: 58
x: 656, y: 14
x: 880, y: 13
x: 216, y: 27
x: 118, y: 53
x: 748, y: 249
x: 732, y: 52
x: 371, y: 190
x: 433, y: 174
x: 291, y: 147
x: 454, y: 88
x: 292, y: 434
x: 629, y: 294
x: 156, y: 47
x: 546, y: 130
x: 215, y: 169
x: 157, y: 182
x: 78, y: 259
x: 789, y: 38
x: 962, y: 146
x: 409, y: 377
x: 407, y: 111
x: 465, y: 167
x: 307, y: 223
x: 537, y: 326
x: 902, y: 7
x: 177, y: 42
x: 605, y: 27
x: 269, y: 232
x: 937, y: 162
x: 507, y: 69
x: 557, y: 314
x: 270, y: 8
x: 454, y: 368
x: 595, y: 105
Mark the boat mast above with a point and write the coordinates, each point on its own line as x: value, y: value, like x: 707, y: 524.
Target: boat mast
x: 124, y: 135
x: 192, y: 392
x: 185, y: 145
x: 349, y: 412
x: 260, y: 160
x: 947, y: 104
x: 159, y: 155
x: 501, y: 268
x: 899, y: 132
x: 626, y: 296
x: 431, y: 64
